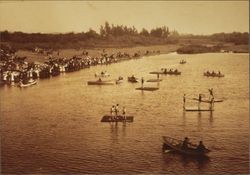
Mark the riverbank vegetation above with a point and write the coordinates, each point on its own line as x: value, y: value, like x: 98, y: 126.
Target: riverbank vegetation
x: 120, y: 36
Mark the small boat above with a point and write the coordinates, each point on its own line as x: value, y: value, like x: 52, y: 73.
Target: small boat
x: 183, y: 62
x: 147, y: 88
x: 207, y: 74
x: 154, y: 80
x: 98, y: 82
x: 132, y: 79
x: 119, y: 118
x: 207, y: 100
x: 166, y: 72
x: 176, y: 145
x: 119, y: 80
x: 102, y: 74
x: 29, y: 83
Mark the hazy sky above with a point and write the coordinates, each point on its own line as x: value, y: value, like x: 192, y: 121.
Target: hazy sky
x: 197, y: 17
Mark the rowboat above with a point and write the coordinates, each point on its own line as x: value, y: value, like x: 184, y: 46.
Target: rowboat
x: 183, y: 62
x: 213, y: 75
x: 166, y: 72
x: 30, y: 83
x: 147, y: 88
x: 132, y: 79
x: 154, y: 80
x: 119, y: 118
x: 176, y: 145
x: 207, y: 101
x: 103, y: 74
x: 98, y: 82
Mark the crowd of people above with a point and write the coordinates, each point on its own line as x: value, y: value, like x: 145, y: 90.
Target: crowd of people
x: 15, y: 69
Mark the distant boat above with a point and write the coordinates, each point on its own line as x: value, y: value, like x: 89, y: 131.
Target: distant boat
x: 132, y: 79
x: 102, y: 74
x: 166, y: 72
x: 176, y: 145
x: 183, y: 62
x: 98, y: 82
x: 207, y: 74
x: 29, y: 83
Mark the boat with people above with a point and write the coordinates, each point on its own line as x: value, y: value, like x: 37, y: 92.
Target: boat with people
x: 102, y: 74
x: 165, y: 71
x: 183, y: 62
x: 119, y: 80
x: 184, y: 147
x: 133, y: 79
x: 213, y: 74
x: 29, y: 83
x: 101, y: 82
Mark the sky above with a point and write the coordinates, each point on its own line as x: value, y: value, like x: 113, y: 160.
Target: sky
x: 193, y: 17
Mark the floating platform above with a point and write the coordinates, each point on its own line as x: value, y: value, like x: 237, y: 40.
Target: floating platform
x: 197, y: 109
x: 119, y: 118
x: 207, y: 101
x: 147, y: 88
x: 154, y: 80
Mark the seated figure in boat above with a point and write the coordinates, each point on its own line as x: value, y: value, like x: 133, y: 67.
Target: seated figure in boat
x: 175, y: 70
x: 201, y: 147
x: 208, y: 73
x: 99, y: 79
x: 219, y: 73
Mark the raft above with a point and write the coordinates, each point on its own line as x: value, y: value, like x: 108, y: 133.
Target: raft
x: 147, y: 88
x: 100, y: 82
x: 119, y: 118
x: 197, y: 109
x: 207, y: 101
x: 176, y: 145
x: 154, y: 80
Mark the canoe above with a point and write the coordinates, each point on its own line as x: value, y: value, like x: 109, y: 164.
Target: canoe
x: 176, y: 145
x: 119, y: 118
x: 197, y: 109
x: 132, y: 79
x: 147, y: 88
x: 213, y: 75
x: 166, y: 73
x: 207, y: 101
x: 100, y: 82
x: 28, y: 84
x: 154, y: 80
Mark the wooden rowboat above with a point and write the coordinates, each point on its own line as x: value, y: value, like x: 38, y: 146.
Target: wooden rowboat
x: 207, y: 101
x: 30, y: 83
x: 213, y: 75
x: 197, y: 109
x: 176, y: 145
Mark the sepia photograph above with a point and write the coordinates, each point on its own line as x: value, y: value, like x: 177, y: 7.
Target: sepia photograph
x: 124, y: 87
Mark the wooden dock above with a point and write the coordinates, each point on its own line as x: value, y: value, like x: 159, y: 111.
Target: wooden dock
x: 119, y: 118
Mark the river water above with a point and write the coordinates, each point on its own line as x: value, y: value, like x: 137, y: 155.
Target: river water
x: 54, y: 126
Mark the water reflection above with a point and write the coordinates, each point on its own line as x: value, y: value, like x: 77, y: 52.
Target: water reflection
x: 187, y: 162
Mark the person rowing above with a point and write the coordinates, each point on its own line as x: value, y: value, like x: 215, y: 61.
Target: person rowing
x: 201, y: 148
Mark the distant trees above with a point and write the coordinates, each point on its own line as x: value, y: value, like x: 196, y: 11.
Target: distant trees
x: 235, y: 37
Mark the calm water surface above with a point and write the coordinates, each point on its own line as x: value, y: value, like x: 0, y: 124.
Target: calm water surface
x: 54, y: 126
